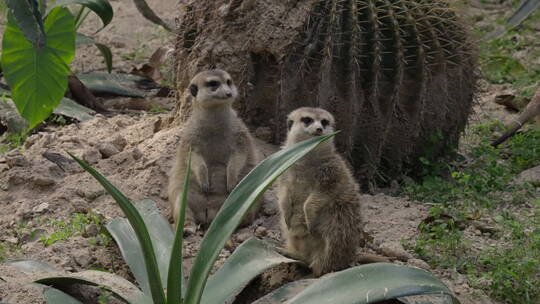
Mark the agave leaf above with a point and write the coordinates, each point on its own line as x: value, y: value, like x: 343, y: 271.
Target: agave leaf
x: 239, y: 202
x: 30, y: 266
x: 162, y: 239
x: 29, y: 20
x: 103, y: 49
x: 138, y: 224
x: 56, y: 296
x: 120, y: 287
x: 38, y: 77
x: 249, y: 260
x: 176, y: 276
x: 102, y: 8
x: 286, y: 292
x: 373, y: 283
x: 114, y: 84
x: 71, y: 109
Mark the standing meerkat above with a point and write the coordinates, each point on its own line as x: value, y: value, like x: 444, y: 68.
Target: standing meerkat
x: 223, y: 150
x: 319, y: 199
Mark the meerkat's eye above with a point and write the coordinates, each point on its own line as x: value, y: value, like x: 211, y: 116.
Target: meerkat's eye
x: 325, y: 122
x: 229, y: 82
x: 213, y: 83
x: 307, y: 120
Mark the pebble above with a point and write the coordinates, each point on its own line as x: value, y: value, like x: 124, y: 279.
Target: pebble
x: 107, y: 150
x: 40, y: 208
x: 16, y: 160
x: 119, y: 142
x: 91, y: 156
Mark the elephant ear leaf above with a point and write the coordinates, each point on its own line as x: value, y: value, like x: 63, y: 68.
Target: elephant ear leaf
x: 102, y: 8
x: 38, y: 76
x: 29, y: 20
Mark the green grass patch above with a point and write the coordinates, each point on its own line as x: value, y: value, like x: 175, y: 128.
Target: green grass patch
x: 76, y: 226
x: 481, y: 188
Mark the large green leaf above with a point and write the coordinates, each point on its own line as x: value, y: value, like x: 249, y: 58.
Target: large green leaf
x: 103, y: 49
x: 176, y: 276
x: 113, y: 84
x: 29, y: 20
x: 286, y: 292
x: 55, y: 296
x: 249, y: 260
x: 38, y: 77
x: 160, y: 234
x: 138, y: 224
x: 236, y: 206
x: 373, y: 283
x: 102, y: 8
x: 119, y: 287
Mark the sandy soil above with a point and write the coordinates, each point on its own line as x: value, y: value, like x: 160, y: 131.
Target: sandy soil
x: 133, y: 152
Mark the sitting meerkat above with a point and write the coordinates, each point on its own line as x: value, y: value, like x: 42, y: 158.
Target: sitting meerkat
x: 319, y: 199
x: 223, y: 150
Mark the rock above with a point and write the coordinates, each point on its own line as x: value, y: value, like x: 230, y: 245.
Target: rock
x: 43, y: 180
x: 119, y: 142
x: 243, y: 236
x: 16, y: 160
x: 107, y: 150
x: 264, y: 133
x: 137, y: 154
x: 90, y: 231
x: 84, y: 260
x: 394, y: 249
x: 40, y: 208
x: 90, y: 191
x: 261, y: 231
x: 418, y: 263
x: 532, y: 175
x: 79, y: 205
x: 30, y: 141
x: 91, y: 156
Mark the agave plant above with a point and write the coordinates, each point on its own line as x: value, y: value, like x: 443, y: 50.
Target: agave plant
x: 154, y: 256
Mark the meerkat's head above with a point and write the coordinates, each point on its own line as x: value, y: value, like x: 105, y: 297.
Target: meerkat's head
x: 304, y: 123
x: 213, y: 88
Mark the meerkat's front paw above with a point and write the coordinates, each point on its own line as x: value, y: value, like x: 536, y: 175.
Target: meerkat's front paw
x: 190, y: 229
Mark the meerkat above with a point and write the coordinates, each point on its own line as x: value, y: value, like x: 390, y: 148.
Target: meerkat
x: 319, y: 199
x: 222, y: 150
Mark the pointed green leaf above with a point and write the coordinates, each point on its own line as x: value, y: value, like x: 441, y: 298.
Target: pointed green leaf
x: 161, y: 235
x: 137, y: 222
x: 38, y: 77
x: 176, y: 276
x: 286, y: 292
x: 120, y: 287
x: 373, y: 283
x: 71, y: 109
x: 55, y: 296
x: 248, y: 261
x: 103, y: 49
x: 102, y: 8
x: 29, y: 20
x: 236, y: 206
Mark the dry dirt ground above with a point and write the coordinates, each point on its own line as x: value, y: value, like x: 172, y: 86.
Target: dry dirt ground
x: 134, y: 152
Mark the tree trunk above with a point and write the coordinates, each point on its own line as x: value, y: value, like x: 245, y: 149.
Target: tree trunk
x: 399, y: 75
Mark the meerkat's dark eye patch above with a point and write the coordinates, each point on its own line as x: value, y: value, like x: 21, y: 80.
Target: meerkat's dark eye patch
x: 193, y: 89
x: 212, y: 83
x: 289, y: 124
x: 307, y: 120
x: 229, y: 82
x: 325, y: 122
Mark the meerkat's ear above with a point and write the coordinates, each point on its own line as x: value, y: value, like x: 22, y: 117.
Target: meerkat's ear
x: 193, y: 89
x: 289, y: 124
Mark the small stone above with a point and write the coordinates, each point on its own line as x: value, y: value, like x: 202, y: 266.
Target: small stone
x: 40, y: 208
x: 107, y: 150
x: 261, y: 231
x: 12, y: 240
x: 264, y: 133
x: 30, y: 141
x: 83, y: 260
x: 91, y: 156
x: 90, y: 231
x: 16, y: 160
x: 42, y: 180
x: 478, y: 232
x: 241, y: 237
x: 137, y: 154
x: 418, y: 263
x: 119, y: 142
x: 532, y: 175
x: 79, y: 206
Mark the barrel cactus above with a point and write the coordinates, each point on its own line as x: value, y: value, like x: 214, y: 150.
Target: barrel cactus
x: 399, y: 75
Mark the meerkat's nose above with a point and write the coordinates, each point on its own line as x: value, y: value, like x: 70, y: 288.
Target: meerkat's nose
x: 229, y: 94
x: 319, y: 130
